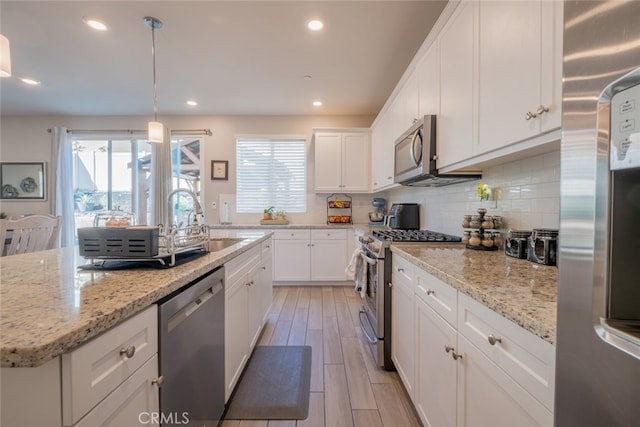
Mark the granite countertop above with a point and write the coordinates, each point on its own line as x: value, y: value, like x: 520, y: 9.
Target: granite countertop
x: 49, y: 306
x: 519, y: 290
x: 276, y: 226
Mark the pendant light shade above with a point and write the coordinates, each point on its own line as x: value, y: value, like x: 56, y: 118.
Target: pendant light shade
x: 156, y: 132
x: 5, y: 57
x: 156, y: 129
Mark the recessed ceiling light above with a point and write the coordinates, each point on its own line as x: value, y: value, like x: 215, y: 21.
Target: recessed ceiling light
x: 192, y: 103
x: 315, y: 25
x: 29, y: 81
x: 95, y: 24
x: 317, y: 103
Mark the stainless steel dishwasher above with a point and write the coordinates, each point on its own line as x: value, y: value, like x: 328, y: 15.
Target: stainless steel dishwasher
x: 192, y: 353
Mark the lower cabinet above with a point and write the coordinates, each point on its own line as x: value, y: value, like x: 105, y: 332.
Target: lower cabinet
x: 112, y: 380
x: 472, y: 367
x: 403, y: 324
x: 248, y: 296
x: 310, y: 255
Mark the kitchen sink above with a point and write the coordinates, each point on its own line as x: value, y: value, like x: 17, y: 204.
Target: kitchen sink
x: 220, y: 244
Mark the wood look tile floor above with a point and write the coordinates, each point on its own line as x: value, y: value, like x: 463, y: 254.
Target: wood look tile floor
x: 347, y: 389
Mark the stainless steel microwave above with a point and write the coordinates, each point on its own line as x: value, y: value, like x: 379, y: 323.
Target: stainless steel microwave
x: 415, y: 158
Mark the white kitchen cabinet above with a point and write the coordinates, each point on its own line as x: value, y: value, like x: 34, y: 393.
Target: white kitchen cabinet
x: 310, y: 255
x: 382, y: 153
x: 487, y: 396
x: 94, y: 370
x: 519, y: 76
x: 342, y: 162
x: 428, y: 77
x: 133, y: 402
x: 469, y: 366
x: 436, y: 372
x: 266, y: 277
x: 403, y: 324
x: 239, y: 272
x: 260, y: 292
x: 328, y: 255
x: 457, y: 131
x: 408, y: 104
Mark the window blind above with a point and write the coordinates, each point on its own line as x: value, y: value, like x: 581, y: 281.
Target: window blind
x: 271, y: 172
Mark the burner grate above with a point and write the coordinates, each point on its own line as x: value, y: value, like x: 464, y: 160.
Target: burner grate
x: 414, y: 236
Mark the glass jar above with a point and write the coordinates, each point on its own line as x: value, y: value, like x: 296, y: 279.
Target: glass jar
x: 487, y: 240
x: 474, y: 239
x: 475, y: 221
x: 465, y: 236
x: 466, y: 221
x: 497, y: 239
x: 487, y: 223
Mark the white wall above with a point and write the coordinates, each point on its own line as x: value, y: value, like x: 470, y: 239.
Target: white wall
x: 526, y: 193
x: 25, y: 139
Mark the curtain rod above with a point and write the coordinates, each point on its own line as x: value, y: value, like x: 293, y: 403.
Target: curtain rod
x: 136, y: 132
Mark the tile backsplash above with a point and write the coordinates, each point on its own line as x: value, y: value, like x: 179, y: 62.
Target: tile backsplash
x: 526, y: 193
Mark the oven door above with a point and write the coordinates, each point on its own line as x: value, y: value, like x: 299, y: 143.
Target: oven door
x: 372, y: 312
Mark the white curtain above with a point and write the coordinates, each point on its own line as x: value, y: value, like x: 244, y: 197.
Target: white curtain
x: 161, y: 184
x: 62, y: 183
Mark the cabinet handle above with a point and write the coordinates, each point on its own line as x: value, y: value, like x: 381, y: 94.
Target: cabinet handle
x: 400, y: 270
x: 264, y: 267
x: 268, y: 247
x: 249, y: 283
x: 448, y: 348
x: 530, y: 115
x: 493, y: 339
x: 430, y: 292
x: 158, y: 381
x: 455, y: 355
x: 128, y: 352
x: 541, y: 110
x: 389, y: 177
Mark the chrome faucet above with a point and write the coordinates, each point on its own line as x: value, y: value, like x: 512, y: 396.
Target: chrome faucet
x: 196, y: 203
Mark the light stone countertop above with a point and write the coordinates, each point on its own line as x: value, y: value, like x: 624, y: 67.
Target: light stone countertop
x: 48, y: 306
x: 276, y: 226
x: 519, y: 290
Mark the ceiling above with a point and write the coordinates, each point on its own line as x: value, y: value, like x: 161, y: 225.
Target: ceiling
x: 232, y: 57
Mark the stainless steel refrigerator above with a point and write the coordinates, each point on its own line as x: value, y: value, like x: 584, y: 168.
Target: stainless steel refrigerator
x: 598, y: 341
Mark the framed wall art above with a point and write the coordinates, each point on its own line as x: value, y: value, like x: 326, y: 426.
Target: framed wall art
x: 22, y: 181
x: 220, y: 169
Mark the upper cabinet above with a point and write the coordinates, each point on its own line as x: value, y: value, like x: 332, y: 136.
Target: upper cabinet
x: 492, y: 73
x: 519, y: 71
x: 342, y: 162
x: 455, y: 124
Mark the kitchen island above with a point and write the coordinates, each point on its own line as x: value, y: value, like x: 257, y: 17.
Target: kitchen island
x: 49, y: 306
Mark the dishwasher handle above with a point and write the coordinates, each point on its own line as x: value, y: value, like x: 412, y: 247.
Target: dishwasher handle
x: 191, y: 307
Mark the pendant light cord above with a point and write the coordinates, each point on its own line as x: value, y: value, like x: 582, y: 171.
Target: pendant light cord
x: 155, y: 84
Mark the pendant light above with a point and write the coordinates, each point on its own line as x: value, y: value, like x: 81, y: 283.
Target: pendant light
x: 156, y: 129
x: 5, y: 57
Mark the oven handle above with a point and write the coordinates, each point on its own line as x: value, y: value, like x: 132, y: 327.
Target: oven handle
x: 364, y: 329
x: 369, y: 260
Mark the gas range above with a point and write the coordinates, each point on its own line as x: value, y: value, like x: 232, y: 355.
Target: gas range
x: 378, y: 241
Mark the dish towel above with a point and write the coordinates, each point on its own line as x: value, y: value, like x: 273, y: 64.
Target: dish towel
x: 357, y: 271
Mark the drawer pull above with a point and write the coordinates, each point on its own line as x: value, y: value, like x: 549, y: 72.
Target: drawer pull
x: 430, y: 292
x: 493, y: 339
x: 158, y: 381
x: 128, y: 352
x: 455, y: 355
x: 400, y: 270
x: 448, y: 348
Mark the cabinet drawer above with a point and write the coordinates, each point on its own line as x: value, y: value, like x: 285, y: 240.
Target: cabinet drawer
x: 327, y: 234
x: 95, y: 369
x: 442, y: 298
x: 240, y: 264
x: 292, y: 234
x: 526, y: 358
x: 403, y: 270
x: 134, y: 401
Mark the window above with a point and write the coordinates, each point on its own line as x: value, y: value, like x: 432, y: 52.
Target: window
x: 271, y: 172
x: 113, y: 174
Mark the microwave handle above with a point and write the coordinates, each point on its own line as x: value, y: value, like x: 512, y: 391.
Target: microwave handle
x: 416, y: 139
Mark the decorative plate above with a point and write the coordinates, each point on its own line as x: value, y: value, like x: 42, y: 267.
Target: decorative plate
x: 28, y: 185
x: 9, y: 190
